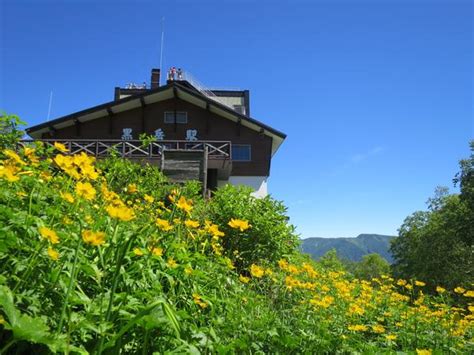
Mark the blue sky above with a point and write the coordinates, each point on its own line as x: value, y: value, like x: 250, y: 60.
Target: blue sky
x: 375, y: 96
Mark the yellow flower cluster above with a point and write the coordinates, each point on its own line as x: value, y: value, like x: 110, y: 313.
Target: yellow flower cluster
x: 163, y: 224
x: 122, y: 213
x: 184, y: 204
x: 198, y: 300
x: 49, y: 235
x: 11, y: 168
x: 239, y: 224
x: 79, y: 166
x: 360, y: 302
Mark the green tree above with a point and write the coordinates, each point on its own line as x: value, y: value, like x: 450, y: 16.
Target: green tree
x: 371, y: 266
x: 9, y: 130
x: 437, y: 245
x: 330, y: 260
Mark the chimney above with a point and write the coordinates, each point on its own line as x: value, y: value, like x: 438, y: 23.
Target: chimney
x: 155, y: 78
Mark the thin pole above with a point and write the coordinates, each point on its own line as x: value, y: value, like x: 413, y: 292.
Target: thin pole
x: 50, y: 103
x: 161, y: 49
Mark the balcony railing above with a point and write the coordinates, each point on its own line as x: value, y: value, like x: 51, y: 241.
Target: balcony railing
x: 136, y: 149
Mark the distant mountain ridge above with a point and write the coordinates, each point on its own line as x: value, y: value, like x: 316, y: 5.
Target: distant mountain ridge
x: 349, y: 248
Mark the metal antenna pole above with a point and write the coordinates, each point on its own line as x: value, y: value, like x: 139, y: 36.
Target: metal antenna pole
x: 161, y: 49
x: 50, y: 103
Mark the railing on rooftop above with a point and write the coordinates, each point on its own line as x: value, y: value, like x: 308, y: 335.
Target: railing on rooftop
x: 203, y: 89
x: 136, y: 149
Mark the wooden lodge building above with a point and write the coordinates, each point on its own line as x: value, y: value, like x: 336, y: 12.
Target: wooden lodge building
x: 200, y: 134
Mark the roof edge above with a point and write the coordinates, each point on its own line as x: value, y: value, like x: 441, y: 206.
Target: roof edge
x: 110, y: 104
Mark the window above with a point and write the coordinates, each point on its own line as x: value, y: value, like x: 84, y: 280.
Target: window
x: 181, y: 117
x: 241, y: 152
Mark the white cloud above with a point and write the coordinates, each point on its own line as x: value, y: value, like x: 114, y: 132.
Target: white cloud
x: 359, y: 157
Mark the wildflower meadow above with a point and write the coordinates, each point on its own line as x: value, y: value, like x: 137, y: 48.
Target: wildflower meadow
x: 109, y: 257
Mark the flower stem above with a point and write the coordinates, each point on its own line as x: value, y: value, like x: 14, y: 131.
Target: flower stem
x: 71, y: 282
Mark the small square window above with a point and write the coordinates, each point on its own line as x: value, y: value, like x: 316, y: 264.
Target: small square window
x: 241, y: 152
x: 181, y: 117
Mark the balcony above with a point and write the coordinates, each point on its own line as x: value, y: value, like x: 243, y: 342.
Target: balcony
x: 209, y: 154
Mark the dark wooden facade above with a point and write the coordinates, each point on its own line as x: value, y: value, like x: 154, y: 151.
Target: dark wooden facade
x: 220, y: 119
x: 148, y: 118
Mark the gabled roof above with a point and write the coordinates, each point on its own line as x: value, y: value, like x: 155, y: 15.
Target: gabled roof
x: 173, y: 89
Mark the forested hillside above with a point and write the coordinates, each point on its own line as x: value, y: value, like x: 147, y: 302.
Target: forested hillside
x: 352, y: 249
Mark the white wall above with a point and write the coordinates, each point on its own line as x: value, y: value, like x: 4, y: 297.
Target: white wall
x: 257, y: 183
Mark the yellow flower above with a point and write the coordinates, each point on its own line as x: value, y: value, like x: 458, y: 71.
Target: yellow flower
x: 29, y: 152
x: 191, y: 224
x: 13, y: 156
x: 391, y: 337
x: 213, y: 229
x: 293, y: 269
x: 163, y: 224
x: 423, y: 352
x: 9, y: 172
x: 185, y: 205
x: 49, y: 234
x: 148, y: 198
x: 137, y: 252
x: 157, y: 251
x: 188, y: 270
x: 409, y: 287
x: 64, y: 162
x: 45, y: 176
x: 89, y: 172
x: 171, y: 263
x: 53, y: 254
x: 244, y: 279
x: 131, y: 188
x: 420, y: 283
x: 401, y: 282
x: 357, y: 328
x: 283, y: 264
x: 469, y: 294
x: 355, y: 309
x: 198, y: 300
x: 439, y: 289
x: 377, y: 328
x: 120, y: 212
x: 61, y: 147
x: 325, y: 302
x: 93, y: 238
x: 239, y: 224
x: 85, y: 190
x: 459, y: 290
x: 256, y: 271
x: 66, y: 196
x: 82, y: 160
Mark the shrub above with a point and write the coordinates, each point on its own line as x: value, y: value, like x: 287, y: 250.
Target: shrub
x: 269, y: 238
